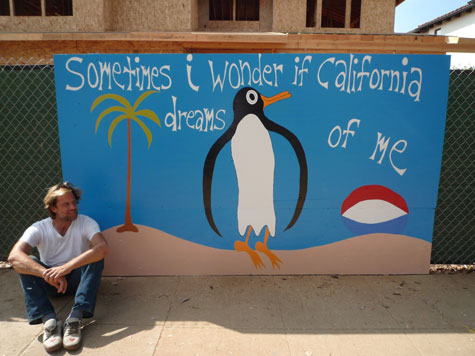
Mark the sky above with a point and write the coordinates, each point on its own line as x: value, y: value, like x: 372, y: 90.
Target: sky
x: 412, y: 13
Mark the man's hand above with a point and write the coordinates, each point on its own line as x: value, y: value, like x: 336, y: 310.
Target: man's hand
x: 55, y: 277
x: 54, y: 273
x: 60, y: 284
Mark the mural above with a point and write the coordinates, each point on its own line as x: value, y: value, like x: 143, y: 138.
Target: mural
x: 259, y: 163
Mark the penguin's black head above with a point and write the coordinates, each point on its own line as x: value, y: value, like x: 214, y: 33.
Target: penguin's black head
x: 250, y: 101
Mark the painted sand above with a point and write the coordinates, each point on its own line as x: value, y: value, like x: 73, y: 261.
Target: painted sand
x: 153, y: 252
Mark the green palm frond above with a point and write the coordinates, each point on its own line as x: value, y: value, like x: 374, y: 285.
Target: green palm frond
x: 116, y: 97
x: 144, y: 128
x: 108, y: 111
x: 128, y: 113
x: 119, y: 118
x: 150, y: 115
x: 114, y: 124
x: 142, y: 98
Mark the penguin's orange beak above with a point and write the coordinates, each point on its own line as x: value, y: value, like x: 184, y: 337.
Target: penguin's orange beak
x: 273, y: 99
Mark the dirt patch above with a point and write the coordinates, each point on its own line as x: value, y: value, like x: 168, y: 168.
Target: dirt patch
x: 5, y: 264
x: 441, y: 268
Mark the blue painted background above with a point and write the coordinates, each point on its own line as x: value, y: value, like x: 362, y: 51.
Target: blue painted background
x: 167, y: 177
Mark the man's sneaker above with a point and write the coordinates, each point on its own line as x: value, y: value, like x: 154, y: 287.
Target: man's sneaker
x: 72, y: 334
x: 52, y: 340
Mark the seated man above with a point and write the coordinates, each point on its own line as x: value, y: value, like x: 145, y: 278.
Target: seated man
x: 71, y: 249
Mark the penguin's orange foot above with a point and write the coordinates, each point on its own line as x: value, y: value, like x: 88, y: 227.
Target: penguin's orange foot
x: 276, y: 261
x: 243, y: 247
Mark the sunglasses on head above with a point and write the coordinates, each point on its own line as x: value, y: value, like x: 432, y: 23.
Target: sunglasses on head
x: 66, y: 185
x: 69, y: 186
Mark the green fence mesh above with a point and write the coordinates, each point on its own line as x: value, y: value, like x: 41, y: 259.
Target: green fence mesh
x: 454, y: 227
x: 29, y: 147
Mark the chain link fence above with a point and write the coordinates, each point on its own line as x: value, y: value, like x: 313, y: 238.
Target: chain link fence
x: 454, y: 226
x: 30, y: 158
x: 29, y: 145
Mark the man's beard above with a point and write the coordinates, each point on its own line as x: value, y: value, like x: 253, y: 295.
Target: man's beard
x: 71, y: 216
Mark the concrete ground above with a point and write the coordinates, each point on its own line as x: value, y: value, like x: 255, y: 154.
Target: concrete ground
x: 426, y: 315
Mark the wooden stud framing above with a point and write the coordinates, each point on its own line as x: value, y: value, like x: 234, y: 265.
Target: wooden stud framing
x: 44, y: 45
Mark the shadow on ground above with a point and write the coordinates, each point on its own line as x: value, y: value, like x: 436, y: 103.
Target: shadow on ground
x: 140, y: 313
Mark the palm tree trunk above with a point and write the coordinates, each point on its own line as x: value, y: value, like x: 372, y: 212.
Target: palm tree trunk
x: 128, y: 225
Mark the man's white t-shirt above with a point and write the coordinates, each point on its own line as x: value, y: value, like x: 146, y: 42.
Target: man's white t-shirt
x: 56, y: 250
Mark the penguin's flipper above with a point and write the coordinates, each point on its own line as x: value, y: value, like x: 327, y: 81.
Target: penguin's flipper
x: 300, y: 153
x: 208, y: 170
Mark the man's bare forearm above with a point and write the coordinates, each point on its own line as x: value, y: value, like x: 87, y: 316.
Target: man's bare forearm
x: 92, y: 255
x: 22, y: 263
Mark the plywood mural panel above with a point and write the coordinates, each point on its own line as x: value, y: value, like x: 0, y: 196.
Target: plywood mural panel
x: 256, y: 163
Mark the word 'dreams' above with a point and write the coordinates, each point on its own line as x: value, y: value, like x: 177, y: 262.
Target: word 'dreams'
x: 201, y: 119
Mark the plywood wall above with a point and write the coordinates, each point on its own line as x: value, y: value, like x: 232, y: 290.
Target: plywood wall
x: 150, y: 15
x: 377, y: 16
x: 289, y: 15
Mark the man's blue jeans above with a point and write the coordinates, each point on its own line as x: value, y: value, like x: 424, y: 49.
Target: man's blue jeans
x: 83, y: 282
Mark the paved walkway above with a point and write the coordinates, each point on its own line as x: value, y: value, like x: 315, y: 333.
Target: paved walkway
x: 426, y: 315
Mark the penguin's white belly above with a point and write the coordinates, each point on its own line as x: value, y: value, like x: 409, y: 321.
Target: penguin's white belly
x: 253, y: 156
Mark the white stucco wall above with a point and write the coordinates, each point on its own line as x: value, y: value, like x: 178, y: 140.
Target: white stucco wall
x: 463, y: 26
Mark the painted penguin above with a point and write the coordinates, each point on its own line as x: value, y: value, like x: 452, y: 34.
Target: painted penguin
x: 253, y: 157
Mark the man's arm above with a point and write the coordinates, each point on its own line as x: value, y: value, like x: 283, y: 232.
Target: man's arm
x: 22, y: 263
x: 97, y: 250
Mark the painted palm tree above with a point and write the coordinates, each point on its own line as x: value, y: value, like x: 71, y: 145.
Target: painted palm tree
x: 129, y: 113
